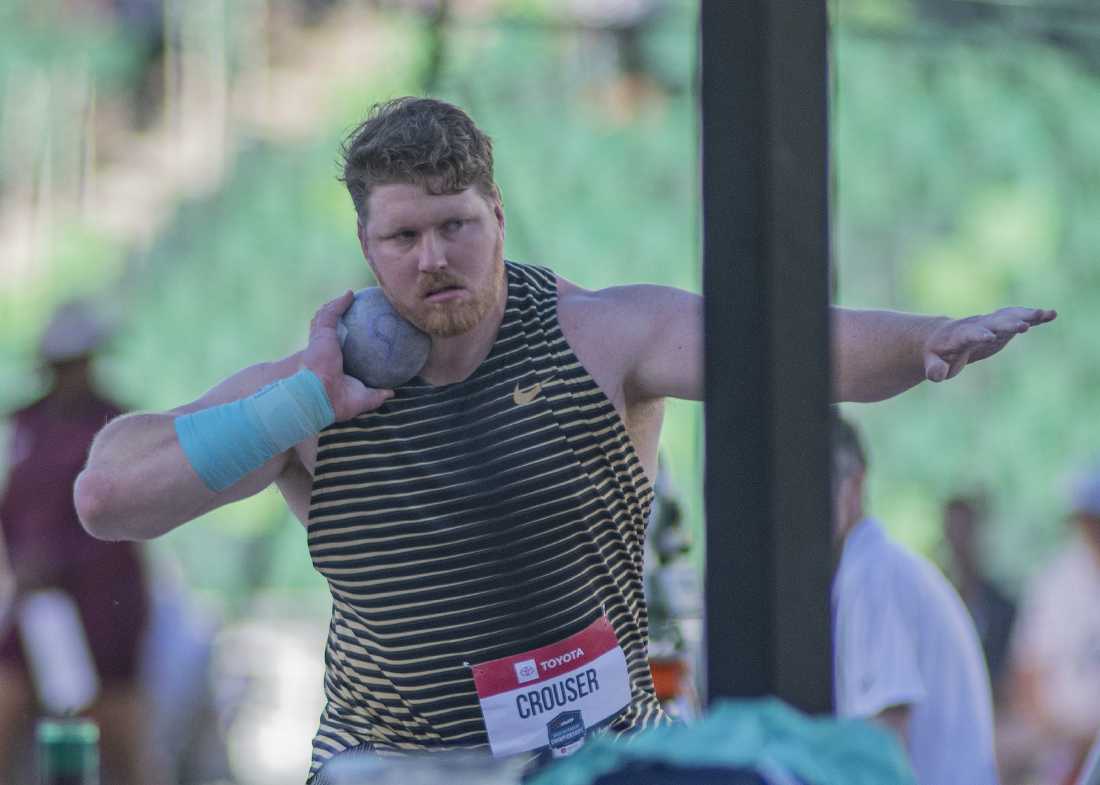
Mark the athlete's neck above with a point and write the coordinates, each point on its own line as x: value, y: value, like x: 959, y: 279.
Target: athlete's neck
x: 453, y: 359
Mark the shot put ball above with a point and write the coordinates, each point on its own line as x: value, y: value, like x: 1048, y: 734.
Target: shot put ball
x: 381, y: 348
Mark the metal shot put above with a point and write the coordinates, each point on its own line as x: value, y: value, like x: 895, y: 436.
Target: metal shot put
x: 381, y: 348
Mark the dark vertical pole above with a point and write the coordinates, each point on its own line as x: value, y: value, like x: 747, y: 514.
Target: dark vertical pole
x: 766, y: 248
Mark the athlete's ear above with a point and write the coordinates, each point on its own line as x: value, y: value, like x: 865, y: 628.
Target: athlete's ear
x: 362, y: 232
x: 497, y: 203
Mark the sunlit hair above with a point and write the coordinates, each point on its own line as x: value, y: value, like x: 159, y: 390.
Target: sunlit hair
x: 418, y: 141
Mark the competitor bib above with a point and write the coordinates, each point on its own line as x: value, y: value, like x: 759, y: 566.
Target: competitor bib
x: 554, y: 696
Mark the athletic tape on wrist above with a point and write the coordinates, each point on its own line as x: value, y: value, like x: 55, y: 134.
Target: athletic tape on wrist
x: 226, y: 442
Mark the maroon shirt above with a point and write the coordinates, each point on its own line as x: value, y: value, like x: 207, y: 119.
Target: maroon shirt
x: 47, y: 545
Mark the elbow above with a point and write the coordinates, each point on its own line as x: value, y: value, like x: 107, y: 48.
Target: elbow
x: 92, y: 494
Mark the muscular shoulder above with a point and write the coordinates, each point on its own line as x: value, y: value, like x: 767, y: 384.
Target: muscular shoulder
x: 598, y: 315
x: 651, y: 334
x: 608, y: 329
x: 628, y: 315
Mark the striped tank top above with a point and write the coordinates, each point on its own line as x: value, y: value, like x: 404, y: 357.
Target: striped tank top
x: 466, y: 522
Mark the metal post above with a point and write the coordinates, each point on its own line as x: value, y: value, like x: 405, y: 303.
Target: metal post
x: 764, y: 126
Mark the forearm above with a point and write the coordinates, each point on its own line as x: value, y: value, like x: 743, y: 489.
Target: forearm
x: 148, y: 473
x: 878, y: 354
x: 139, y: 484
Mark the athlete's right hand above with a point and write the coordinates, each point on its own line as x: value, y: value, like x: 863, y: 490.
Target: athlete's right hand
x: 348, y: 396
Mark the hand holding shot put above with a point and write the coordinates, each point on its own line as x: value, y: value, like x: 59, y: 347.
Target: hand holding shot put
x: 514, y: 440
x: 381, y: 347
x: 346, y: 367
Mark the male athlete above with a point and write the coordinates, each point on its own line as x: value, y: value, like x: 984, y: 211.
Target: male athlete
x: 480, y: 527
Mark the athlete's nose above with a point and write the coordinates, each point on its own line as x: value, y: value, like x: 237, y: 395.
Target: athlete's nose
x: 432, y: 258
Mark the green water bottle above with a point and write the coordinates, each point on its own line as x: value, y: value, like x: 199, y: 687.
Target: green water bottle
x: 68, y: 752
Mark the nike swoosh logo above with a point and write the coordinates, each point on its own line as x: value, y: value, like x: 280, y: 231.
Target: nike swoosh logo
x: 527, y: 394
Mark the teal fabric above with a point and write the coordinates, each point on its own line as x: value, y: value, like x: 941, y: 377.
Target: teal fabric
x: 224, y: 443
x: 765, y: 735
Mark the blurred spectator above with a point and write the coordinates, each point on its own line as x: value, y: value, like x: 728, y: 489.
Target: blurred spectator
x: 314, y: 11
x: 185, y: 724
x: 142, y: 22
x: 1056, y: 645
x: 992, y: 610
x: 140, y: 25
x: 7, y: 585
x: 906, y: 652
x: 673, y: 598
x: 49, y: 550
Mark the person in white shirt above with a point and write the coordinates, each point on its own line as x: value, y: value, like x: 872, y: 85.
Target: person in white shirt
x: 906, y: 651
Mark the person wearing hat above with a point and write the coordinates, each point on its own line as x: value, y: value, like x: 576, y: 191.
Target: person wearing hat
x: 59, y: 568
x: 1056, y: 644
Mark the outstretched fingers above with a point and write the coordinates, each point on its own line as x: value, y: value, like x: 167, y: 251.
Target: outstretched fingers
x: 1034, y: 316
x: 958, y: 343
x: 1007, y: 322
x: 1021, y: 319
x: 963, y: 337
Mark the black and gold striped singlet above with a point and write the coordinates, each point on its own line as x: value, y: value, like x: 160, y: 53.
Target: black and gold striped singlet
x: 472, y: 521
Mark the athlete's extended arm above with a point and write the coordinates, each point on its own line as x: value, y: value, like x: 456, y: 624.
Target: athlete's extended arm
x: 876, y: 354
x: 140, y: 483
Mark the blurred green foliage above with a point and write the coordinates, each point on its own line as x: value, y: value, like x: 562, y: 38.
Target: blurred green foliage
x: 50, y: 34
x: 965, y: 180
x: 46, y: 48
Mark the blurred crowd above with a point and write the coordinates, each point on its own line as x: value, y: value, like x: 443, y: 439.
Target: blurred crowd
x: 1007, y: 690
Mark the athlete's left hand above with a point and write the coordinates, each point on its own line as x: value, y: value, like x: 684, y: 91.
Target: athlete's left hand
x: 955, y: 343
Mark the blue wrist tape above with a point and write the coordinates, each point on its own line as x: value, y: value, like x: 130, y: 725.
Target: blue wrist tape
x: 226, y: 442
